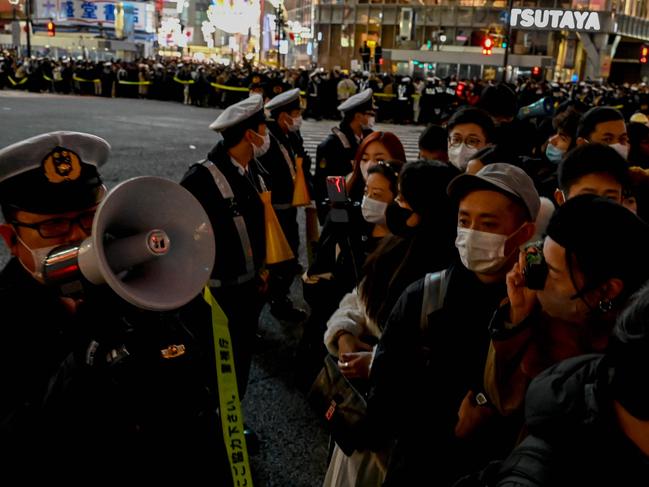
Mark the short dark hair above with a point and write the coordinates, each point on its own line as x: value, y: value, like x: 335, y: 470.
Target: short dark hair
x: 498, y: 100
x: 567, y: 122
x: 434, y: 138
x: 595, y: 116
x: 232, y: 136
x: 590, y: 159
x: 473, y: 115
x: 390, y: 171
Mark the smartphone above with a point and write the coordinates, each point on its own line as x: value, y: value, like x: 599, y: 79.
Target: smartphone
x: 536, y: 270
x: 337, y: 192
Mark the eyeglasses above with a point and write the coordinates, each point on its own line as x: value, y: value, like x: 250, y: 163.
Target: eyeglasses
x: 471, y: 142
x: 59, y: 227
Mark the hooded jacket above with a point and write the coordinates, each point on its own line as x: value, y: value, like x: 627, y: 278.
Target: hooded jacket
x: 575, y: 439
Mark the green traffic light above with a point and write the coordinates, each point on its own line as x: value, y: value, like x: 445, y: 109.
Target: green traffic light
x: 504, y: 45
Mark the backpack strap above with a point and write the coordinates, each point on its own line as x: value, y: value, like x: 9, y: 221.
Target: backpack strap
x: 435, y: 286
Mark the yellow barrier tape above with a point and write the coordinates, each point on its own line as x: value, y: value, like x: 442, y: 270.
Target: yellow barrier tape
x: 82, y: 80
x: 230, y: 406
x: 16, y: 83
x: 47, y: 78
x: 184, y: 81
x: 122, y: 82
x: 392, y: 95
x: 230, y: 88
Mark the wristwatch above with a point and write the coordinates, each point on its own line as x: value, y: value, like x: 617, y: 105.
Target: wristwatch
x: 481, y: 399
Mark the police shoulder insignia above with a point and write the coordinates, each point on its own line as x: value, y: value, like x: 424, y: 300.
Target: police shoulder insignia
x: 61, y: 165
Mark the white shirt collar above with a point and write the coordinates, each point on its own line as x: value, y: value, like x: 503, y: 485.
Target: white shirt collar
x: 242, y: 170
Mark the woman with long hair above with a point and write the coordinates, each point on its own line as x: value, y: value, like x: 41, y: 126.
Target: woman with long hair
x: 422, y: 221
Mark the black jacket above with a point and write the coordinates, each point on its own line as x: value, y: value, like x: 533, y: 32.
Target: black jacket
x: 275, y: 163
x: 91, y: 390
x: 229, y: 261
x: 574, y: 440
x: 419, y: 379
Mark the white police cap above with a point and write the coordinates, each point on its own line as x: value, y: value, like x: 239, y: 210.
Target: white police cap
x: 358, y: 102
x: 52, y: 172
x: 238, y: 113
x: 283, y: 99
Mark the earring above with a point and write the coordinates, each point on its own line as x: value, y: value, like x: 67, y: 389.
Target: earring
x: 605, y: 305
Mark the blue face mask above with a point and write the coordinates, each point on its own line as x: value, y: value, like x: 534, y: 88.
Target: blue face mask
x: 554, y: 154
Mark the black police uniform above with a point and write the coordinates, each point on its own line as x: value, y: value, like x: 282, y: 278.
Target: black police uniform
x: 234, y: 283
x: 279, y: 163
x: 98, y: 378
x: 334, y: 157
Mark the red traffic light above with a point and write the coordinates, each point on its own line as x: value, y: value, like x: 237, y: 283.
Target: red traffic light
x: 487, y: 45
x: 459, y: 90
x: 644, y: 54
x: 536, y: 70
x: 51, y: 29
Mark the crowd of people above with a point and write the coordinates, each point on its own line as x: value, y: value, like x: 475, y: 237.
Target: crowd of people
x: 403, y: 99
x: 489, y: 299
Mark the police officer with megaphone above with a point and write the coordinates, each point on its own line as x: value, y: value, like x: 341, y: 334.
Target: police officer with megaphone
x: 90, y: 380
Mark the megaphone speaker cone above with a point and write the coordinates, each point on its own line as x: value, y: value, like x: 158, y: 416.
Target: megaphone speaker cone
x: 277, y: 247
x: 152, y: 243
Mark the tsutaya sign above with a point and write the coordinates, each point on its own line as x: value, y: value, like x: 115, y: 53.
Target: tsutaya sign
x: 553, y: 19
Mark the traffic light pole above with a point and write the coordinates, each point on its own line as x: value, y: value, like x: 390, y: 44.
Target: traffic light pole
x: 28, y: 23
x: 510, y: 6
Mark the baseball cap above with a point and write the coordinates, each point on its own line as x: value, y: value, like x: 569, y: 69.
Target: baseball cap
x: 500, y: 177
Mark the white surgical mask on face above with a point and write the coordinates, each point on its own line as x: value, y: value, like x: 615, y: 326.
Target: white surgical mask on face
x: 260, y: 151
x: 623, y: 150
x: 482, y: 251
x: 460, y: 155
x: 296, y: 124
x: 38, y: 256
x: 373, y: 210
x: 369, y: 124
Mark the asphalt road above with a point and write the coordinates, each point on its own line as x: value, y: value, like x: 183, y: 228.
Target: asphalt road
x: 163, y: 139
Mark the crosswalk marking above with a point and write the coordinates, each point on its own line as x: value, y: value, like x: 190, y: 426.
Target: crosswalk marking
x: 315, y: 132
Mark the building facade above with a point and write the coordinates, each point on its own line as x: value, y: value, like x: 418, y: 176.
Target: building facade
x: 445, y: 38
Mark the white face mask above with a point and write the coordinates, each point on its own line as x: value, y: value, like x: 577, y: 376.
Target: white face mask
x: 373, y: 210
x: 260, y: 151
x: 296, y: 124
x: 460, y: 155
x: 482, y: 251
x: 370, y: 123
x: 38, y: 256
x: 623, y: 150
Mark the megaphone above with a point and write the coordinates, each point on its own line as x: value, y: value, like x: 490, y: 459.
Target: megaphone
x: 151, y: 242
x: 540, y: 108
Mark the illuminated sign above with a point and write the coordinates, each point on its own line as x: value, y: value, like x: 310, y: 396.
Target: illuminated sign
x: 552, y: 19
x: 236, y: 16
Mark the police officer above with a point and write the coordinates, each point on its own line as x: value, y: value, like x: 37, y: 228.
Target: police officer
x: 279, y: 162
x: 228, y: 184
x: 335, y: 155
x: 87, y: 366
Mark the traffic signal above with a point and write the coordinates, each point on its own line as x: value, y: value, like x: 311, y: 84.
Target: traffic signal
x: 487, y: 45
x: 459, y: 90
x: 644, y: 54
x: 536, y: 72
x: 51, y: 29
